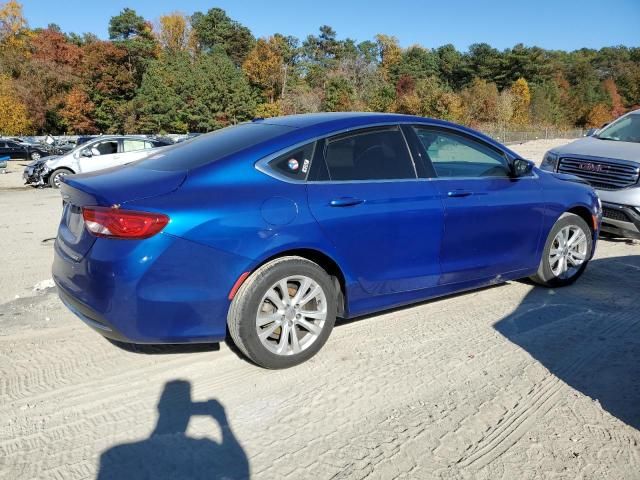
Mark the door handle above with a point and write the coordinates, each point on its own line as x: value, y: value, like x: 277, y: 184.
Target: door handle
x: 459, y: 193
x: 345, y: 202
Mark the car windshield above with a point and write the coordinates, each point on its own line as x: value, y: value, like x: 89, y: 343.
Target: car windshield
x: 626, y: 129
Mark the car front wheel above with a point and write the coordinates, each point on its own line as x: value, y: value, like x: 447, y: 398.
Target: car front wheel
x: 56, y: 177
x: 35, y: 155
x: 566, y: 253
x: 283, y: 313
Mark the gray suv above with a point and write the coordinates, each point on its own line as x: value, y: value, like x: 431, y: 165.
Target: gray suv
x: 609, y: 159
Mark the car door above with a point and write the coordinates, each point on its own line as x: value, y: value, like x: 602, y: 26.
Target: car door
x: 493, y: 221
x: 98, y: 156
x: 16, y: 151
x: 385, y: 223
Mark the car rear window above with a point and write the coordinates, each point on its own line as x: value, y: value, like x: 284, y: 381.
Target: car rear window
x: 212, y: 147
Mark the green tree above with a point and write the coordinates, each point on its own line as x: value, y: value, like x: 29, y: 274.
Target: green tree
x: 215, y: 29
x: 180, y: 94
x: 128, y: 25
x: 339, y: 95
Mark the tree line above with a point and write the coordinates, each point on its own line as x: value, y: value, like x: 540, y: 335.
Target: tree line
x: 205, y: 71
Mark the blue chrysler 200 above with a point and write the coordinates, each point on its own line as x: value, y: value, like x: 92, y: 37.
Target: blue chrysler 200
x: 268, y: 230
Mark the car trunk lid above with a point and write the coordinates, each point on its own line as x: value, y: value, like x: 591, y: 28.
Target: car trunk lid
x: 111, y: 187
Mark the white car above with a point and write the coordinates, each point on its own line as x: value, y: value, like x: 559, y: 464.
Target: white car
x: 97, y: 154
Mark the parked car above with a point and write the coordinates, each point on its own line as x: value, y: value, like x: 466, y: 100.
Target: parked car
x: 270, y: 229
x: 609, y: 159
x: 97, y: 154
x: 21, y: 151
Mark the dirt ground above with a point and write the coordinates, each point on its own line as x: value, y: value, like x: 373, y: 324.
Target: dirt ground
x: 507, y: 382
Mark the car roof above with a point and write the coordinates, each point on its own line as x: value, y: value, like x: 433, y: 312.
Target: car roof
x: 320, y: 124
x: 120, y: 137
x: 341, y: 119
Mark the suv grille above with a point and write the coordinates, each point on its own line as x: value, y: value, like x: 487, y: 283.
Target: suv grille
x: 601, y: 174
x: 615, y: 214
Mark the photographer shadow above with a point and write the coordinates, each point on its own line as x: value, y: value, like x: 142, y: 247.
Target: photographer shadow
x: 588, y: 334
x: 170, y: 454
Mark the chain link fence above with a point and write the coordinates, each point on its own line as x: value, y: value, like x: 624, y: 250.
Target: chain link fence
x: 502, y: 135
x: 510, y: 137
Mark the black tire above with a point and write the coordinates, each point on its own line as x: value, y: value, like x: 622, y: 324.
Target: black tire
x: 35, y: 155
x: 54, y: 178
x: 241, y: 318
x: 545, y: 275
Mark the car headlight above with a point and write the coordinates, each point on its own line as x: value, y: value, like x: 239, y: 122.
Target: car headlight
x: 549, y: 162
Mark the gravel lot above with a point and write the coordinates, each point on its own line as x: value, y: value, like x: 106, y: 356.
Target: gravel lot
x: 502, y: 383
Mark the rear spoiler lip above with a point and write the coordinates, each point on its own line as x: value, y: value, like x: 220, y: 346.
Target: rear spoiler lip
x: 79, y: 193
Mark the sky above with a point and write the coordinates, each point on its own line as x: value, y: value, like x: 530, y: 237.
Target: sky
x: 557, y: 24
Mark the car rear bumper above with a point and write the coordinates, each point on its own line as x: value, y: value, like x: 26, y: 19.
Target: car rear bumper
x: 160, y: 290
x: 621, y: 220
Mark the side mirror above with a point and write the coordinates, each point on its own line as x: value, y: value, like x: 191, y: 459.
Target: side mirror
x: 591, y: 132
x: 86, y: 153
x: 522, y: 167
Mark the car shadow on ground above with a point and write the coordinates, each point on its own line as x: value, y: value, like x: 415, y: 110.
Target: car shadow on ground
x: 169, y: 453
x: 588, y: 334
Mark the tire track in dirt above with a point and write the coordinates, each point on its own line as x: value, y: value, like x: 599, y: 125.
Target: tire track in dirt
x: 541, y: 399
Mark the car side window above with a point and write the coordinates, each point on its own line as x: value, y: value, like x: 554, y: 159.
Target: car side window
x: 105, y: 148
x: 294, y: 164
x: 455, y: 155
x: 133, y: 145
x: 148, y: 145
x: 379, y: 154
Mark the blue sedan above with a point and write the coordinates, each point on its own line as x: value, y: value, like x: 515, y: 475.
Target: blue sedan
x: 269, y: 230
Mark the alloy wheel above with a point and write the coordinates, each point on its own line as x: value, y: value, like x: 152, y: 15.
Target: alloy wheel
x: 291, y: 315
x: 568, y: 251
x: 57, y: 180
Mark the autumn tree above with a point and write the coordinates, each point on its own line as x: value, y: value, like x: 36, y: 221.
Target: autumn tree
x: 480, y: 99
x: 505, y: 108
x: 264, y: 67
x: 109, y: 83
x: 390, y: 54
x: 14, y: 119
x: 78, y: 112
x: 521, y: 101
x: 174, y: 33
x: 598, y: 115
x: 14, y: 36
x: 617, y: 105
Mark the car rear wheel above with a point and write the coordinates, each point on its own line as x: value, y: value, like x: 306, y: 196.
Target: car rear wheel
x: 56, y: 177
x: 283, y: 313
x: 566, y: 253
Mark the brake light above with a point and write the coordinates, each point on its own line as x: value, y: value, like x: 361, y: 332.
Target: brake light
x: 125, y: 224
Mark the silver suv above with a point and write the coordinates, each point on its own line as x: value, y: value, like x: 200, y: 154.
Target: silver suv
x: 609, y: 159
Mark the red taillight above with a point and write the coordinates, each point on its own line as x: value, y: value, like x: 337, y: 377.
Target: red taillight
x: 116, y: 223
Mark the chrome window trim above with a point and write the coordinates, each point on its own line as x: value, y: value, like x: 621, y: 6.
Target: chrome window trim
x: 262, y: 165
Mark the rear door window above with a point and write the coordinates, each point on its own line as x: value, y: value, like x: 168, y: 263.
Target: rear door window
x: 373, y: 154
x: 133, y: 145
